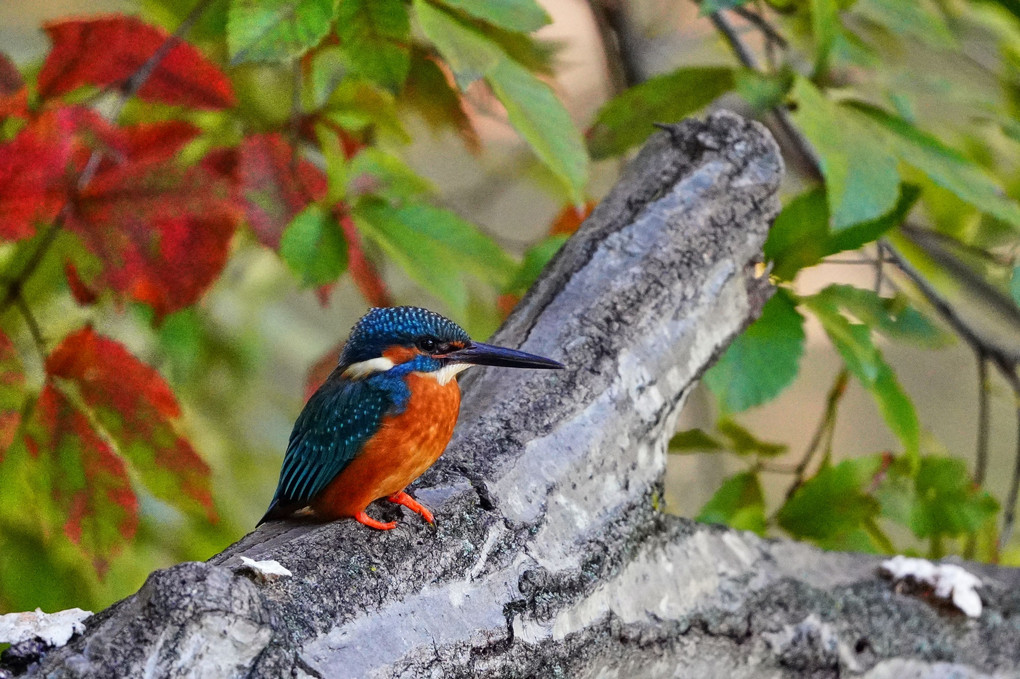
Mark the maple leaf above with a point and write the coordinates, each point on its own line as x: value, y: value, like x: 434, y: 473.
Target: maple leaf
x: 161, y: 232
x: 275, y: 184
x: 13, y: 93
x: 107, y: 51
x: 34, y: 180
x: 137, y: 410
x: 12, y: 393
x: 90, y: 484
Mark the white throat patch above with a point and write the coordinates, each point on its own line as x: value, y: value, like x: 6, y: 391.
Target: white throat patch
x: 362, y: 369
x: 447, y: 372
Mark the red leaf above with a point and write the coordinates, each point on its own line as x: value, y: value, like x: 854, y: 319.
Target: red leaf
x: 90, y: 482
x: 12, y: 393
x: 13, y: 93
x: 276, y: 184
x: 363, y: 271
x: 82, y: 293
x: 570, y: 218
x: 34, y: 176
x: 162, y: 232
x: 136, y: 408
x: 109, y: 50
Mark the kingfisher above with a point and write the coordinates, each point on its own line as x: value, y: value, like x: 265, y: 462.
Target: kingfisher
x: 383, y: 416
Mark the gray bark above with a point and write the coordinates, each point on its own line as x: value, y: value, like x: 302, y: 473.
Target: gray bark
x: 550, y: 557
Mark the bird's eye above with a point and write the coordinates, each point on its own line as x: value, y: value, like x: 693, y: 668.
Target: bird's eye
x: 428, y: 344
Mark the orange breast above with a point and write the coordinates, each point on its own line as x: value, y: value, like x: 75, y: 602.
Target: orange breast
x: 405, y: 446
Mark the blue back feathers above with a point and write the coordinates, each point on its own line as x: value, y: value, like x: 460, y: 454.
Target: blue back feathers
x: 343, y: 414
x: 382, y: 328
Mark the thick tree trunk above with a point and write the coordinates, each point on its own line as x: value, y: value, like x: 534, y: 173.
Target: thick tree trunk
x: 550, y: 557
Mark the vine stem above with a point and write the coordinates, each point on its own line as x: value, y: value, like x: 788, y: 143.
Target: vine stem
x: 128, y: 89
x: 826, y: 428
x: 1009, y: 516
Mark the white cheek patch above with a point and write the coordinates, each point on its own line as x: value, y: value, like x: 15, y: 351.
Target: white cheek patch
x: 361, y: 369
x: 448, y: 372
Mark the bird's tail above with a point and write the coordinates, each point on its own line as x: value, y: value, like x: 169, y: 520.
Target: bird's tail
x: 277, y: 510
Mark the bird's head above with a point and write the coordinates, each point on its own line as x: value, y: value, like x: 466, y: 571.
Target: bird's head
x: 410, y: 339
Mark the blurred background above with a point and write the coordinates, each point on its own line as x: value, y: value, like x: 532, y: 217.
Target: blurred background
x: 239, y: 359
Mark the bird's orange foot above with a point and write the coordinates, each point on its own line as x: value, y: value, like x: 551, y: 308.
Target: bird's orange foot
x: 362, y: 517
x: 406, y: 500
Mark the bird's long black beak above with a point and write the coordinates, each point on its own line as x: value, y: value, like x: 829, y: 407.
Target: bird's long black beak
x: 487, y: 354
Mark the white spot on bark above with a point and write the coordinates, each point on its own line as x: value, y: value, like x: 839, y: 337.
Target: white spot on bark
x: 266, y: 571
x: 56, y: 629
x: 949, y: 581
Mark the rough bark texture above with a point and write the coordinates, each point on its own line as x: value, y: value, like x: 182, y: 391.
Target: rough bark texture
x: 550, y: 557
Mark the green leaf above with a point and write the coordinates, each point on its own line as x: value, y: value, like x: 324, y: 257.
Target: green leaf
x: 946, y: 501
x: 377, y: 172
x: 524, y: 16
x: 861, y: 179
x: 856, y: 235
x: 627, y: 119
x: 945, y: 166
x: 375, y: 35
x: 891, y: 316
x: 469, y: 53
x: 694, y: 441
x: 531, y: 106
x: 535, y: 260
x: 799, y: 236
x: 739, y: 503
x: 763, y: 91
x: 276, y: 30
x: 825, y: 26
x: 473, y: 251
x: 426, y: 262
x: 314, y: 247
x: 918, y: 20
x: 435, y: 247
x: 1014, y: 285
x: 429, y: 93
x: 534, y: 55
x: 540, y: 117
x: 833, y: 504
x: 763, y: 360
x: 356, y: 105
x: 863, y: 359
x: 743, y: 442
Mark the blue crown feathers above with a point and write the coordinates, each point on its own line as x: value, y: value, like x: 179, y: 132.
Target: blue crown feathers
x: 385, y: 327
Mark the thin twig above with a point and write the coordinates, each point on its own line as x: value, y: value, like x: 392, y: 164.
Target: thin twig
x: 879, y: 272
x: 826, y: 429
x: 616, y: 36
x: 981, y: 449
x: 88, y: 173
x: 33, y: 325
x: 1009, y: 516
x: 983, y: 424
x: 771, y: 35
x: 781, y: 116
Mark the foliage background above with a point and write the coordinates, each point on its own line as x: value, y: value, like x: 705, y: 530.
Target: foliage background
x: 238, y: 360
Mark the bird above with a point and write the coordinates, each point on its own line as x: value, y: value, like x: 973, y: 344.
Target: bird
x: 383, y: 416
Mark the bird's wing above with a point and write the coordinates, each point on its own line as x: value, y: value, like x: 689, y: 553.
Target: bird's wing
x: 334, y: 425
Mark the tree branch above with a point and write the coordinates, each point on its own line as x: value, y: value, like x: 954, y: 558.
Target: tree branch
x: 549, y: 558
